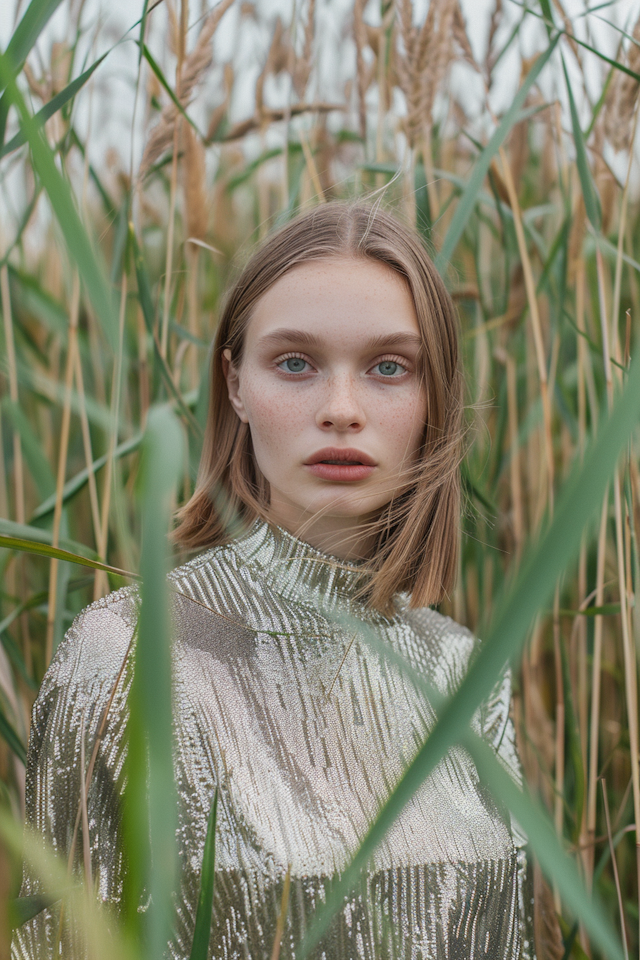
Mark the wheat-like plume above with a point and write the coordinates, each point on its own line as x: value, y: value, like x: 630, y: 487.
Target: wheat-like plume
x: 304, y: 63
x: 360, y: 37
x: 195, y: 194
x: 194, y: 68
x: 621, y: 101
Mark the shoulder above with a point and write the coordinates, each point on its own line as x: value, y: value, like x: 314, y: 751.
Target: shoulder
x: 91, y: 654
x: 444, y: 646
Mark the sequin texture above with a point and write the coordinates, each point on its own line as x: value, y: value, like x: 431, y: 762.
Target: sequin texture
x: 304, y: 729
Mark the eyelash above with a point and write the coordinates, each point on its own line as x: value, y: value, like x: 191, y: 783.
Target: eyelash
x: 390, y: 358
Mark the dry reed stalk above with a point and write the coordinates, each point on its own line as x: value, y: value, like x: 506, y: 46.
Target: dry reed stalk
x: 88, y: 453
x: 558, y: 807
x: 514, y: 465
x: 164, y: 333
x: 196, y: 221
x: 101, y: 583
x: 62, y: 462
x: 621, y: 99
x: 617, y: 285
x: 86, y: 846
x: 18, y: 468
x: 614, y: 864
x: 581, y: 686
x: 282, y: 916
x: 194, y: 67
x: 311, y: 168
x: 535, y: 321
x: 596, y: 671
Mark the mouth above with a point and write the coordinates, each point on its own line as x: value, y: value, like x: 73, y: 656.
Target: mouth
x: 341, y: 465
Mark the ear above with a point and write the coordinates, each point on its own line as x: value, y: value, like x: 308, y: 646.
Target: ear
x: 233, y: 385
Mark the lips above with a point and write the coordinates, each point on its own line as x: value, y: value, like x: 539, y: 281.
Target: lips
x: 341, y: 464
x: 341, y: 456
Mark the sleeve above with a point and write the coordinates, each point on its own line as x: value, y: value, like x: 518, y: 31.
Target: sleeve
x: 499, y: 731
x: 79, y: 714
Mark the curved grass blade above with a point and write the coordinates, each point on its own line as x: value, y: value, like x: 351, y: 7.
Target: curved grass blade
x: 202, y: 932
x: 64, y: 209
x: 515, y: 610
x: 162, y: 80
x: 9, y: 734
x: 75, y: 484
x: 590, y: 194
x: 54, y: 553
x: 467, y: 201
x: 150, y: 802
x: 35, y: 18
x: 56, y: 103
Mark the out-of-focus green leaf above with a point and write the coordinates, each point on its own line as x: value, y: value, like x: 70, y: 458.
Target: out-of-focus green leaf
x: 56, y: 103
x: 34, y: 455
x: 23, y: 909
x: 202, y: 931
x: 8, y: 733
x: 151, y: 812
x: 62, y: 203
x: 467, y: 201
x: 590, y: 194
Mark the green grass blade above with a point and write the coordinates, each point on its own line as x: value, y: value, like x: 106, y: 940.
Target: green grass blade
x: 467, y: 201
x: 144, y: 295
x: 165, y: 85
x: 41, y: 548
x: 75, y: 484
x: 150, y: 726
x: 545, y: 561
x: 202, y: 932
x: 34, y: 455
x: 590, y: 195
x: 56, y: 103
x: 35, y: 18
x: 9, y: 735
x: 76, y: 239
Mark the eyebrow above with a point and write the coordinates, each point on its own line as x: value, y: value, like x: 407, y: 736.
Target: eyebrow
x: 285, y: 335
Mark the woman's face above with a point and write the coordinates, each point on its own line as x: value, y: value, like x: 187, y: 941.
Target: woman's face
x: 329, y: 386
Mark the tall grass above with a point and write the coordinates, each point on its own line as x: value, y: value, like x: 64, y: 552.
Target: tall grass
x: 110, y: 278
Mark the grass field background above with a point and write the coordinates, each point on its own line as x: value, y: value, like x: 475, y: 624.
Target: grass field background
x: 514, y: 157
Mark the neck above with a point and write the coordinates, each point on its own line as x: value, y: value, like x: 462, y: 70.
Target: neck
x: 349, y: 538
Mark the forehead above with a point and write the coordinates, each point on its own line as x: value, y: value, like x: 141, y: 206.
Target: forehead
x: 342, y: 301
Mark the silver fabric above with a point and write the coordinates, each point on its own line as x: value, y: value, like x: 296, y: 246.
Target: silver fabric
x: 282, y: 703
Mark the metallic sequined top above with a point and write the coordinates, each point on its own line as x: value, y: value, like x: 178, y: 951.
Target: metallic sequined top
x: 304, y: 728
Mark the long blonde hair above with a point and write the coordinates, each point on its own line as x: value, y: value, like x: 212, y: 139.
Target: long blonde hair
x: 417, y: 532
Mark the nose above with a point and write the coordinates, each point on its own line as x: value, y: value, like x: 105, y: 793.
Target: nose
x: 341, y: 408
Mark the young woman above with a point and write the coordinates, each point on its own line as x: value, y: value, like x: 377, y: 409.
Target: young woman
x: 327, y: 507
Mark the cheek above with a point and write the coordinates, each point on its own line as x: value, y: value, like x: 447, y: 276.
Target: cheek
x: 274, y: 420
x: 404, y: 419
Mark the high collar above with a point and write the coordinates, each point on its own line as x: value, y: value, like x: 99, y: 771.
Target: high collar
x: 297, y: 570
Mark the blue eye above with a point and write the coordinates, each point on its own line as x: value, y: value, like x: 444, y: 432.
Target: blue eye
x: 293, y: 364
x: 388, y: 368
